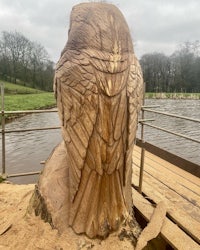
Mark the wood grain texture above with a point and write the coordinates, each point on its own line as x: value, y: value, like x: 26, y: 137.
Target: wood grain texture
x: 170, y: 231
x: 179, y: 189
x: 98, y: 87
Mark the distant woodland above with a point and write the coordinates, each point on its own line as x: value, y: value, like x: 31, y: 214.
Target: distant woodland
x: 179, y: 72
x: 25, y: 62
x: 28, y: 63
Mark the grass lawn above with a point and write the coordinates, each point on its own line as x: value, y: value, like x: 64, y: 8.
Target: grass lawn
x: 29, y: 101
x: 12, y: 89
x: 18, y: 97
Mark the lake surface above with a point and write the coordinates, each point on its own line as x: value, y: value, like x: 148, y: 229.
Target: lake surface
x: 174, y: 144
x: 25, y: 151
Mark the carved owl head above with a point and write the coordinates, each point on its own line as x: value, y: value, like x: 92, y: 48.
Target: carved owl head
x: 99, y: 26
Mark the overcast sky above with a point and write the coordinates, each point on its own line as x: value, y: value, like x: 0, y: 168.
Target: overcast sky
x: 156, y: 25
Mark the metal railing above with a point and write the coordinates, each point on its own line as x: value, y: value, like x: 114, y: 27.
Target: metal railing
x: 3, y: 132
x: 143, y: 122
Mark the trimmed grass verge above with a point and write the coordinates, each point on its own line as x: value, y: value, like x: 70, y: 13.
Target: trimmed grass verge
x: 164, y: 95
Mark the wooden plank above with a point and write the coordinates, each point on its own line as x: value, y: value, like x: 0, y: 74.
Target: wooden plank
x: 184, y: 164
x: 177, y: 207
x: 170, y: 232
x: 180, y: 186
x: 175, y: 169
x: 182, y: 174
x: 183, y: 179
x: 163, y: 189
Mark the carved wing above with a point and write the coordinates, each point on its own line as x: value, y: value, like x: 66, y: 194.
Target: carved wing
x: 135, y: 99
x: 77, y: 102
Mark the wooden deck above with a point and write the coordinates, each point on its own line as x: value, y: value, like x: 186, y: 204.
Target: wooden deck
x: 179, y: 190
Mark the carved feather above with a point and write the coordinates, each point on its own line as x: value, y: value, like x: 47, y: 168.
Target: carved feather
x: 98, y: 86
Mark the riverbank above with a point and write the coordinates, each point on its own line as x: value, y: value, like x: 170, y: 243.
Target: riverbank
x: 17, y: 97
x: 164, y: 95
x: 20, y: 230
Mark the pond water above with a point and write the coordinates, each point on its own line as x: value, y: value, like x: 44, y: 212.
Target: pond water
x: 25, y: 151
x: 182, y: 147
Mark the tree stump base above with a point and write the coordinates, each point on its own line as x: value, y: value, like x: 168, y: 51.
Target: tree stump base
x: 50, y: 198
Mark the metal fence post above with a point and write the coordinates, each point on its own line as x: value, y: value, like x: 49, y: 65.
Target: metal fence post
x: 142, y: 148
x: 142, y: 156
x: 3, y: 132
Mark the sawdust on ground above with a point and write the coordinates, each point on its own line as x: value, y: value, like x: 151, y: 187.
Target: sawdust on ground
x: 20, y: 230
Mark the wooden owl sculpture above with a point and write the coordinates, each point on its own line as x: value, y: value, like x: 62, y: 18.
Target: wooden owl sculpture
x: 99, y: 88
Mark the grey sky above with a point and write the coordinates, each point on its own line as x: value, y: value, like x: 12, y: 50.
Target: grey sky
x: 156, y: 25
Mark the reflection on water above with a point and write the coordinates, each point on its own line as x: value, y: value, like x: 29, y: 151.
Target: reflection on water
x: 174, y: 144
x: 24, y: 151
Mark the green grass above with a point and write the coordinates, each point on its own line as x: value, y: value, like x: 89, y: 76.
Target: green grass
x: 2, y: 179
x: 18, y: 97
x: 12, y: 89
x: 164, y: 95
x: 29, y: 101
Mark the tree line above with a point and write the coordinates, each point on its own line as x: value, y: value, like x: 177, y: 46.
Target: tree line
x: 179, y: 72
x: 25, y: 62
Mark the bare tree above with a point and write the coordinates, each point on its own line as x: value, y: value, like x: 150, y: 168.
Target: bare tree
x: 157, y: 72
x: 179, y: 72
x: 185, y: 63
x: 5, y: 67
x: 26, y: 61
x: 15, y: 44
x: 39, y: 57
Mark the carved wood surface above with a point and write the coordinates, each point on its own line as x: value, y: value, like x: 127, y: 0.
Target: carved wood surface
x: 99, y: 87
